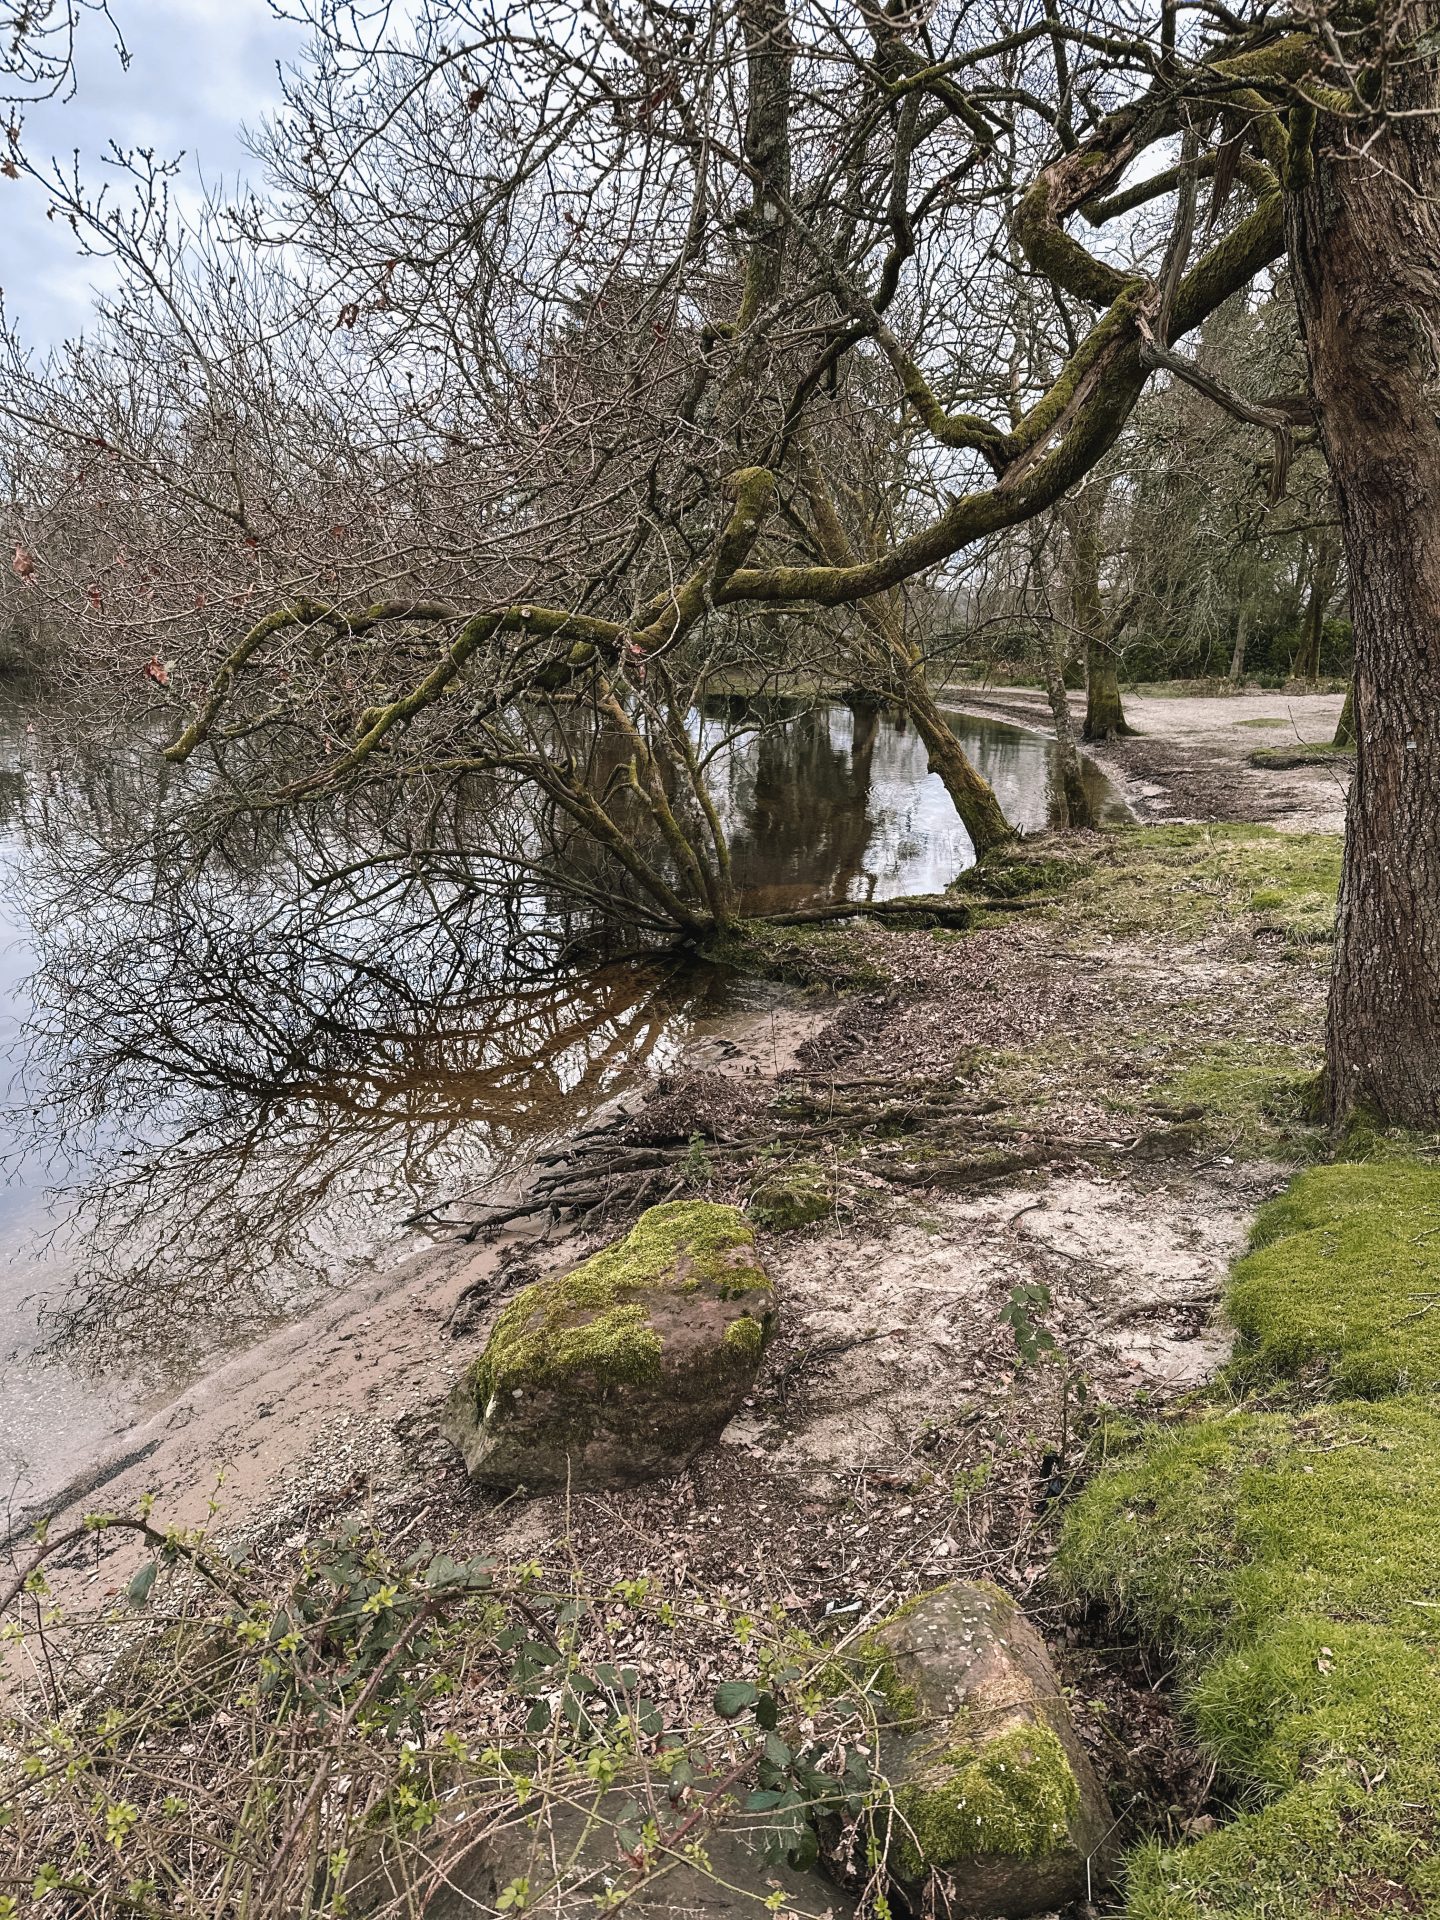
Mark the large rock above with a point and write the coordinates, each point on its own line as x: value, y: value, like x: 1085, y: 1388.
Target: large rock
x: 624, y: 1368
x: 994, y: 1791
x: 571, y: 1853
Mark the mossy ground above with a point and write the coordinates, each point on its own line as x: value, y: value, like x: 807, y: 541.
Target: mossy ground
x: 1212, y: 943
x: 1343, y: 1283
x: 1013, y: 873
x: 1188, y: 878
x: 1303, y: 753
x: 791, y: 1197
x: 819, y: 959
x: 1291, y: 1561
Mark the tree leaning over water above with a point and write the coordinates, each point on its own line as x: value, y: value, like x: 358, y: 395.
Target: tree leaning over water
x: 559, y: 357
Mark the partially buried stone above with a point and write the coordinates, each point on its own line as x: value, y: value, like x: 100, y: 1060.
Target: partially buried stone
x: 578, y: 1853
x: 994, y: 1794
x: 793, y: 1196
x: 623, y: 1369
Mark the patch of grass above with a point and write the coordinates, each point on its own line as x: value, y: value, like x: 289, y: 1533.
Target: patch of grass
x: 1291, y: 1562
x: 1016, y: 872
x: 1344, y: 1282
x: 1264, y: 722
x: 1193, y: 878
x: 1304, y: 753
x: 1258, y: 1099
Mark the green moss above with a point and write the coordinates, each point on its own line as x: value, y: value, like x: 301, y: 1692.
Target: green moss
x: 1344, y: 1280
x: 1256, y: 1097
x: 866, y: 1666
x: 1192, y: 878
x: 1334, y: 1848
x: 1292, y: 1562
x: 794, y: 1196
x: 818, y: 958
x: 1015, y: 874
x: 745, y: 1339
x: 1304, y: 753
x: 1216, y: 1531
x: 596, y: 1320
x: 1014, y: 1795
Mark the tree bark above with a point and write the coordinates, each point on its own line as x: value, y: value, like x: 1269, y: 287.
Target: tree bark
x: 1104, y: 714
x: 1345, y: 726
x: 972, y: 794
x: 1365, y: 241
x: 1073, y: 797
x: 1237, y: 658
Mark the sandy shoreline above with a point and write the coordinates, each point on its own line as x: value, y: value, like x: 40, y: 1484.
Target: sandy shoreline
x: 341, y: 1402
x: 328, y: 1394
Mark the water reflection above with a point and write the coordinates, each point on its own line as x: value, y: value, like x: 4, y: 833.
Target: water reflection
x: 834, y: 800
x: 239, y: 1077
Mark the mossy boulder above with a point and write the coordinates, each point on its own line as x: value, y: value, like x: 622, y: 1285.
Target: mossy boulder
x: 623, y: 1369
x: 794, y: 1196
x: 994, y: 1791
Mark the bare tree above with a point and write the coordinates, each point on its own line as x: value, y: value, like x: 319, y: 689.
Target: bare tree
x: 506, y: 391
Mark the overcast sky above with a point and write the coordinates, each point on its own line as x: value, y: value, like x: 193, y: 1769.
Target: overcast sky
x: 200, y: 68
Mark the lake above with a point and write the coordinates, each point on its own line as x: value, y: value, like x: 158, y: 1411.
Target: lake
x: 222, y: 1096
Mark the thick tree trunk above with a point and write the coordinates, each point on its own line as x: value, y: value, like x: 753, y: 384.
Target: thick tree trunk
x: 1104, y: 714
x: 1345, y: 726
x: 1365, y: 241
x: 1237, y: 658
x: 972, y: 794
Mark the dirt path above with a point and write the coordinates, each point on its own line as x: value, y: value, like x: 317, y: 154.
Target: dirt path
x: 1189, y: 758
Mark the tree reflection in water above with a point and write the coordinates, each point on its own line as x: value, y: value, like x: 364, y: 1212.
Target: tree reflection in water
x: 252, y: 1062
x: 255, y: 1066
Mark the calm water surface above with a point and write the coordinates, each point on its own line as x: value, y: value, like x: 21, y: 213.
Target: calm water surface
x: 207, y: 1119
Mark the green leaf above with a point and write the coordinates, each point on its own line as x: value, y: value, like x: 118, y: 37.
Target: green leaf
x: 732, y: 1697
x: 806, y: 1850
x: 767, y: 1712
x: 138, y: 1591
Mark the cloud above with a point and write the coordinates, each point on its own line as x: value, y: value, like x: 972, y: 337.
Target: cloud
x: 199, y: 68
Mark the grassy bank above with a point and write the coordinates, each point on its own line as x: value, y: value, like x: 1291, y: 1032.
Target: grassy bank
x: 1283, y: 1546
